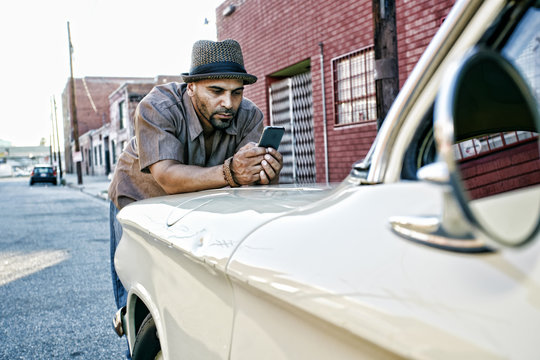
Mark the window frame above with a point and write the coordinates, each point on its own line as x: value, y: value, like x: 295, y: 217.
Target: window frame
x: 366, y: 86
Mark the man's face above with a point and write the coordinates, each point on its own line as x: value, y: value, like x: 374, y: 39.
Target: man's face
x: 216, y: 101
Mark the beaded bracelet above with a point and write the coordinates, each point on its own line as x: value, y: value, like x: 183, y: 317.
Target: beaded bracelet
x: 228, y: 174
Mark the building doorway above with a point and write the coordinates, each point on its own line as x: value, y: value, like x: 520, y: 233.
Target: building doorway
x: 107, y: 156
x: 291, y: 106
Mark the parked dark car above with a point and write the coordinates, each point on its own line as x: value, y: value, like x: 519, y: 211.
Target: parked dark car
x: 43, y: 174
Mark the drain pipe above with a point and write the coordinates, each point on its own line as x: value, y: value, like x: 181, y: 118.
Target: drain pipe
x: 325, y: 131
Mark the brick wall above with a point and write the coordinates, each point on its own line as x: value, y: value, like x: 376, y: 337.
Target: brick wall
x: 92, y: 101
x: 512, y: 168
x: 280, y: 33
x: 417, y: 22
x: 92, y: 104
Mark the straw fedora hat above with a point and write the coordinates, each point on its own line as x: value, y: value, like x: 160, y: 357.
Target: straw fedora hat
x: 217, y: 60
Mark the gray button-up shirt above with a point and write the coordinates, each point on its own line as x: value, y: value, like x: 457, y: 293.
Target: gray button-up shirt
x: 167, y: 127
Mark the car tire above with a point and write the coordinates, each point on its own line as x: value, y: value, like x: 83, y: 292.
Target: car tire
x: 147, y: 346
x: 31, y: 183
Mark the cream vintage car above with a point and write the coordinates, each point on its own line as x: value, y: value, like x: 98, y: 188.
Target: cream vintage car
x: 429, y: 249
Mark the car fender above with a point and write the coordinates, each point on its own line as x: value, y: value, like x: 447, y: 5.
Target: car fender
x: 184, y: 242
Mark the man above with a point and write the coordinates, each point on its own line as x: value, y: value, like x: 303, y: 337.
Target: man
x: 193, y: 136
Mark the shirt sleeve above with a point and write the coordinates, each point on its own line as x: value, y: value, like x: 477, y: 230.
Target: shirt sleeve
x: 156, y: 129
x: 253, y: 126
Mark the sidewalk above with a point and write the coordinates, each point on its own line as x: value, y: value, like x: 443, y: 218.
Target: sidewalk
x: 92, y: 185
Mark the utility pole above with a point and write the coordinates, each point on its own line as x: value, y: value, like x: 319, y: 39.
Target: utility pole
x: 53, y: 155
x: 57, y: 140
x: 74, y: 112
x: 386, y: 56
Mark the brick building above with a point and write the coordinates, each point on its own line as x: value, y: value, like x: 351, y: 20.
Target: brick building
x: 122, y: 104
x: 92, y: 104
x: 284, y: 44
x: 101, y: 145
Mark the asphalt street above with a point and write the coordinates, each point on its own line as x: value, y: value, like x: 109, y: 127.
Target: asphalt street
x: 55, y: 287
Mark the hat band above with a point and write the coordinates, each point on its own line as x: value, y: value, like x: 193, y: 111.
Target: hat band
x: 218, y: 67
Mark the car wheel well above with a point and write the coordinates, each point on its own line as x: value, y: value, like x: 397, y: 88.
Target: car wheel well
x: 139, y: 314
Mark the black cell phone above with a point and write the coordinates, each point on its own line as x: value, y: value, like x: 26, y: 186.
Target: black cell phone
x: 271, y: 136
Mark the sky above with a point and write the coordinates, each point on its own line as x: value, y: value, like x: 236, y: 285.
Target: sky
x: 109, y: 37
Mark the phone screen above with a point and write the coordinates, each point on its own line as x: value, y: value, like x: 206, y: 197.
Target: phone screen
x: 271, y: 136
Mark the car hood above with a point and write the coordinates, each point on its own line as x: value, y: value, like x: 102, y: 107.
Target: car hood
x: 209, y: 225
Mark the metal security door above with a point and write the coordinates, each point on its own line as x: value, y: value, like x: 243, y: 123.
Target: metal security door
x: 291, y: 106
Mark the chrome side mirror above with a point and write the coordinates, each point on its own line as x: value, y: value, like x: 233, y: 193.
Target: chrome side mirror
x: 486, y: 125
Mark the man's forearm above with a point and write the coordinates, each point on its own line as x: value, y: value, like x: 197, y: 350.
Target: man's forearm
x: 177, y: 178
x: 250, y: 165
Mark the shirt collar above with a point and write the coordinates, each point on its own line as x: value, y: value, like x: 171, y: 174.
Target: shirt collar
x: 194, y: 124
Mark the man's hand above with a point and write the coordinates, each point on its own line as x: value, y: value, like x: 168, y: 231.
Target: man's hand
x: 246, y: 164
x: 253, y: 164
x: 272, y: 165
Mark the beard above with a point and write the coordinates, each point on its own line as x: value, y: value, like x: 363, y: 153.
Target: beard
x: 220, y: 124
x: 204, y: 110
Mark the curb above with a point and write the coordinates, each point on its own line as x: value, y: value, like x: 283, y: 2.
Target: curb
x: 103, y: 195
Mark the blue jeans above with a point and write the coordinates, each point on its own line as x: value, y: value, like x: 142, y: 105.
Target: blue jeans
x: 120, y: 293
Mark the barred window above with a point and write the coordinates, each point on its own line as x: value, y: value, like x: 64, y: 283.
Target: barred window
x: 354, y: 87
x: 489, y: 143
